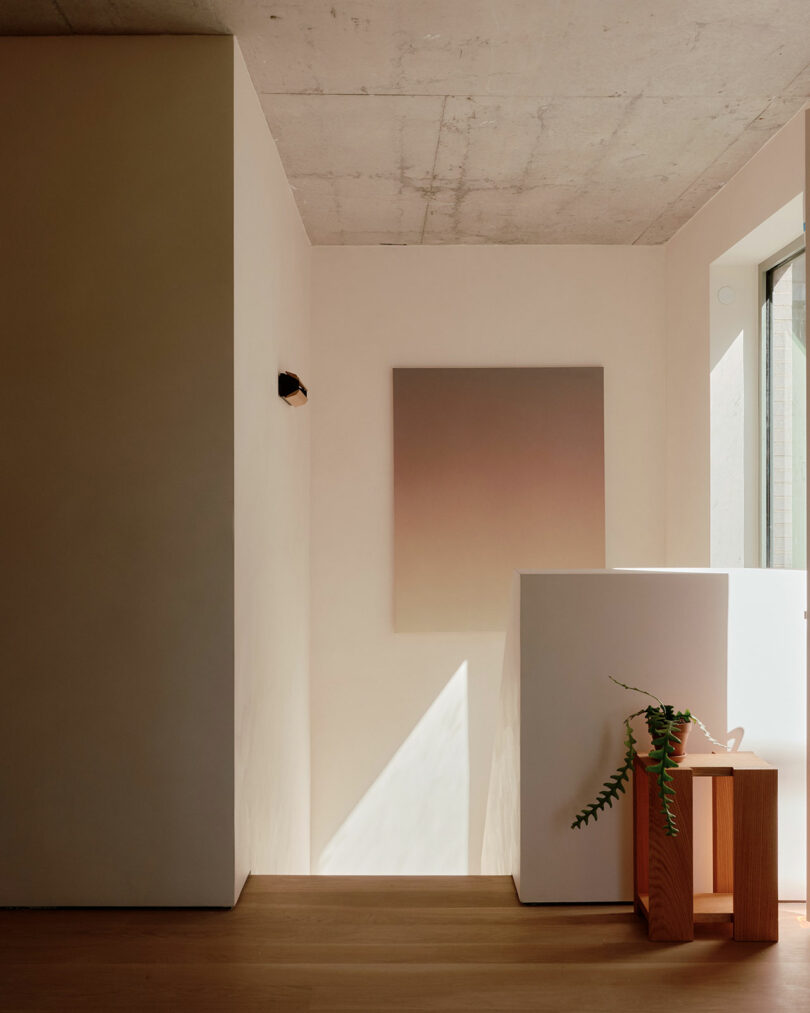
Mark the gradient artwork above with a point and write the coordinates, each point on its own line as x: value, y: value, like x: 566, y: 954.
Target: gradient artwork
x: 495, y: 470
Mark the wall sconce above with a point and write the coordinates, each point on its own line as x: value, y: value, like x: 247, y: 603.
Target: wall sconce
x: 291, y: 389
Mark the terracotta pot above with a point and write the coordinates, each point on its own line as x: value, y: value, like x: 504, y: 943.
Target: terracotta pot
x: 682, y: 731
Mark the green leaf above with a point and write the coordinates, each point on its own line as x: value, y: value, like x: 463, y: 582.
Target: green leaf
x: 665, y: 739
x: 613, y: 788
x: 662, y: 722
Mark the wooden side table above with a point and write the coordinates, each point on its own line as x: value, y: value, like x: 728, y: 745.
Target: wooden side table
x: 743, y: 848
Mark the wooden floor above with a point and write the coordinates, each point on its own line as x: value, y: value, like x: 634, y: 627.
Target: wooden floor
x: 319, y: 944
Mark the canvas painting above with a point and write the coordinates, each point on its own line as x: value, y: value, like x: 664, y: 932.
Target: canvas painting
x: 494, y: 470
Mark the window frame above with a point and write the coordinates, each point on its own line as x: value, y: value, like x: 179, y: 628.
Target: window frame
x: 789, y: 252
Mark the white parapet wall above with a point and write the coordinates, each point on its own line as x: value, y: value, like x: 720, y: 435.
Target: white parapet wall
x: 726, y: 644
x: 767, y: 689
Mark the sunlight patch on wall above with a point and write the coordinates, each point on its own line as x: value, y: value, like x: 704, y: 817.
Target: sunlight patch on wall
x: 415, y: 818
x: 728, y: 456
x: 767, y: 689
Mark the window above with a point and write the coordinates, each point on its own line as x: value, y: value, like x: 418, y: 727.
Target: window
x: 785, y: 420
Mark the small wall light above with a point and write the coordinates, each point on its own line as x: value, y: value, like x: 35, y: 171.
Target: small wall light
x: 291, y: 389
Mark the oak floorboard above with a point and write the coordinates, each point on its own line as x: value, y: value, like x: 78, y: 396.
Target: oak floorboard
x: 351, y: 944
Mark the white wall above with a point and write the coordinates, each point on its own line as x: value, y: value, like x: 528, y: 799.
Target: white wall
x: 767, y: 688
x: 271, y: 498
x: 663, y: 632
x: 375, y: 308
x: 734, y: 386
x: 116, y: 273
x: 735, y: 356
x: 123, y: 275
x: 155, y: 279
x: 743, y: 625
x: 769, y: 181
x: 807, y: 631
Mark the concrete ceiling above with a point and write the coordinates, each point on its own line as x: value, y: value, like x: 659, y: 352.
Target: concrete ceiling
x: 495, y: 121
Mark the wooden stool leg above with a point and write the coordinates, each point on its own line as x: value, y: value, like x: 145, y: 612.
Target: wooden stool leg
x: 641, y: 829
x: 671, y: 881
x: 723, y: 834
x: 756, y: 912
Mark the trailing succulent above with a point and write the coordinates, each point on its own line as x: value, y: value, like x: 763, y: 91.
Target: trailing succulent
x: 663, y: 724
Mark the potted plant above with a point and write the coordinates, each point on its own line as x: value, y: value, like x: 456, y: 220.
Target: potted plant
x: 668, y: 729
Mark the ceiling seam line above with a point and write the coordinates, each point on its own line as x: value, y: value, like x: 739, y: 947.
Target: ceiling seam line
x: 532, y: 96
x: 429, y: 195
x: 793, y: 80
x: 58, y: 7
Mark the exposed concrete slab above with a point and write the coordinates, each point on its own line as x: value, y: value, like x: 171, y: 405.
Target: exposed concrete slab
x: 340, y: 219
x: 387, y: 143
x: 549, y: 213
x: 122, y: 17
x: 775, y: 114
x: 522, y: 47
x: 515, y: 142
x: 361, y: 168
x: 515, y: 121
